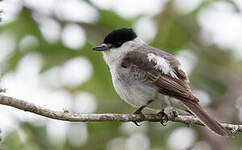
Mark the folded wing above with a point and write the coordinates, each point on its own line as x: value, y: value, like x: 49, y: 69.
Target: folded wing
x: 163, y: 71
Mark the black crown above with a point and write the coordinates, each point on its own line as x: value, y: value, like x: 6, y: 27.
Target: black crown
x: 119, y: 36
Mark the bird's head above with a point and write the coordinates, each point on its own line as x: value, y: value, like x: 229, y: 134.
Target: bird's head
x: 116, y: 39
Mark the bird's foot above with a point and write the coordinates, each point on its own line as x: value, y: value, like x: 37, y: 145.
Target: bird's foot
x: 174, y: 113
x: 139, y: 112
x: 142, y: 116
x: 164, y: 117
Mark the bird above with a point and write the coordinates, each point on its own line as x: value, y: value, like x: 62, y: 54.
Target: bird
x: 147, y: 77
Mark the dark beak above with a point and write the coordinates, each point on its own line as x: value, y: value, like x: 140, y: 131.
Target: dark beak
x: 102, y: 47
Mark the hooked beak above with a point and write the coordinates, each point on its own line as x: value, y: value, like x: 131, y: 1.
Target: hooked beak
x: 102, y: 47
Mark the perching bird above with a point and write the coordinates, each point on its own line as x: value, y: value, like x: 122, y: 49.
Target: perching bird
x: 145, y: 76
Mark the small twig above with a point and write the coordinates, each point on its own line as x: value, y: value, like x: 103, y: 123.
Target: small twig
x: 74, y: 117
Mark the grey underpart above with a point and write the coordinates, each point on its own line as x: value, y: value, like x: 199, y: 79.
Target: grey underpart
x: 139, y: 110
x: 175, y: 111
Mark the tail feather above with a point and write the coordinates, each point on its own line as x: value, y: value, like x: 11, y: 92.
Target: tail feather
x: 205, y: 118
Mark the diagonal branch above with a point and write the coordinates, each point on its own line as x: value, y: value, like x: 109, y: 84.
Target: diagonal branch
x: 74, y: 117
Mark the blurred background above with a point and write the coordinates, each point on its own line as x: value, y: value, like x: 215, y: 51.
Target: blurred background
x: 46, y: 59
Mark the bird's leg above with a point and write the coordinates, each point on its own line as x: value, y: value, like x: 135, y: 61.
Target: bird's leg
x: 163, y: 116
x: 139, y: 112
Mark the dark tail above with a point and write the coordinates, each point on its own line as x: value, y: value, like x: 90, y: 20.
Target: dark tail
x: 205, y: 118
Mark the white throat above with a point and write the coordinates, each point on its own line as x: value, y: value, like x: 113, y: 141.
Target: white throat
x: 114, y: 56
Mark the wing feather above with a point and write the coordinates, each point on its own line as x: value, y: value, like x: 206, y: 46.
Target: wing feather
x: 174, y: 87
x: 168, y: 85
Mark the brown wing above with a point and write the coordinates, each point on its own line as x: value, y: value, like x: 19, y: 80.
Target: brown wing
x: 167, y: 85
x: 175, y: 64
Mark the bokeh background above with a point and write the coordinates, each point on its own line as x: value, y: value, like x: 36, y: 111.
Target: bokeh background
x: 46, y: 58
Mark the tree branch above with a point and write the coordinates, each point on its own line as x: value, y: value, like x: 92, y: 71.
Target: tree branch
x: 75, y: 117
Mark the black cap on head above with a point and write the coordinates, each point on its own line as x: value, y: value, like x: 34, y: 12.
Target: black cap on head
x: 119, y: 36
x: 116, y: 38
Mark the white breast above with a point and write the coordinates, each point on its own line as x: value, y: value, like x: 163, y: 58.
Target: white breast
x: 131, y: 91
